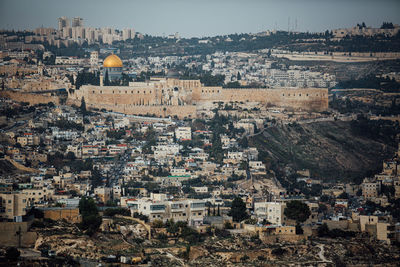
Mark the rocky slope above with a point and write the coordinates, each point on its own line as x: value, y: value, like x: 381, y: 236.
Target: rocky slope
x: 331, y: 150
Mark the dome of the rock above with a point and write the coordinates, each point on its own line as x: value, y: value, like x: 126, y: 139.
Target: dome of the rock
x: 112, y: 61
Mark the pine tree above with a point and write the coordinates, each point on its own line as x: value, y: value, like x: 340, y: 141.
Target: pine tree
x: 239, y: 77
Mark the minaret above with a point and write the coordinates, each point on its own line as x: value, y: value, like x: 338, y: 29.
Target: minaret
x: 101, y: 80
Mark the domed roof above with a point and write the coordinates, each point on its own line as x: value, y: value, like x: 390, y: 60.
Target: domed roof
x: 112, y: 61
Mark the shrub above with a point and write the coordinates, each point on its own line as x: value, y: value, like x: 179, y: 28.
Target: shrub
x: 228, y: 225
x: 261, y: 258
x: 121, y: 211
x: 244, y: 258
x: 278, y: 251
x: 162, y: 237
x: 222, y: 233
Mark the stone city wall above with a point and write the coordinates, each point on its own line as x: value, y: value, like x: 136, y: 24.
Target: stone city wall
x: 302, y: 98
x: 71, y: 215
x: 181, y: 112
x: 155, y: 98
x: 32, y: 99
x: 9, y: 237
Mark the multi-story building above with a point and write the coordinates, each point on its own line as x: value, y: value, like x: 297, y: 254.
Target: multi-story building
x: 38, y: 195
x: 63, y: 22
x: 28, y: 139
x: 380, y: 227
x: 103, y: 193
x: 183, y: 133
x: 77, y: 22
x: 158, y: 207
x: 128, y: 34
x: 13, y: 205
x: 370, y: 189
x: 270, y: 211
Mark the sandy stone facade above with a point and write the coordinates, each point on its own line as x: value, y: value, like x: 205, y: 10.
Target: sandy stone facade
x: 170, y: 96
x: 32, y: 99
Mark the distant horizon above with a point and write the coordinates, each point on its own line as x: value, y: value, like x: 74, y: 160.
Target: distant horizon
x: 198, y: 19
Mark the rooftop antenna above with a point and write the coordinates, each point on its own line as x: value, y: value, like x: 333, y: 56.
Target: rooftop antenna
x: 296, y: 25
x: 288, y: 25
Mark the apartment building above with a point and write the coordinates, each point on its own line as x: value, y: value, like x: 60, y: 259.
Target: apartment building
x: 158, y: 207
x: 270, y: 211
x: 13, y: 205
x: 38, y: 195
x: 370, y: 189
x: 380, y: 227
x: 183, y: 133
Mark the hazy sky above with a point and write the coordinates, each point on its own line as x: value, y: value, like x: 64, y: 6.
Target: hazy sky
x: 201, y: 17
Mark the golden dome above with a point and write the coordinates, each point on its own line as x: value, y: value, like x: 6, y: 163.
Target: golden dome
x: 112, y: 61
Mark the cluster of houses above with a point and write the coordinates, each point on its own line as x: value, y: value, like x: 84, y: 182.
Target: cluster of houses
x: 165, y: 170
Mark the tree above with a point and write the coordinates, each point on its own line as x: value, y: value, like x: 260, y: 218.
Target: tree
x: 83, y: 106
x: 71, y: 155
x: 91, y: 220
x: 244, y: 143
x: 110, y: 212
x: 106, y: 79
x: 323, y: 230
x: 299, y: 229
x: 238, y: 77
x: 238, y: 210
x: 343, y: 195
x: 297, y: 210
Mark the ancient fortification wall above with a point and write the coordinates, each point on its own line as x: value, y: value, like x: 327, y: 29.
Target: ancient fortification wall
x: 9, y: 237
x: 173, y: 97
x: 299, y: 98
x: 32, y: 99
x: 188, y: 111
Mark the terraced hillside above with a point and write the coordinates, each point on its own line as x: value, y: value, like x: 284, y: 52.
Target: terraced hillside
x: 331, y: 150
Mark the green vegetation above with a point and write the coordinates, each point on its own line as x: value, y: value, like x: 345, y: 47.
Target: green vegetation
x: 371, y: 81
x: 238, y: 210
x: 91, y: 220
x: 297, y: 210
x: 67, y: 125
x: 323, y: 231
x: 180, y: 230
x: 110, y: 212
x: 87, y: 78
x: 83, y: 106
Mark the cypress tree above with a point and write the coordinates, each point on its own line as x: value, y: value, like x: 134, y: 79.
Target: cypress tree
x: 106, y: 79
